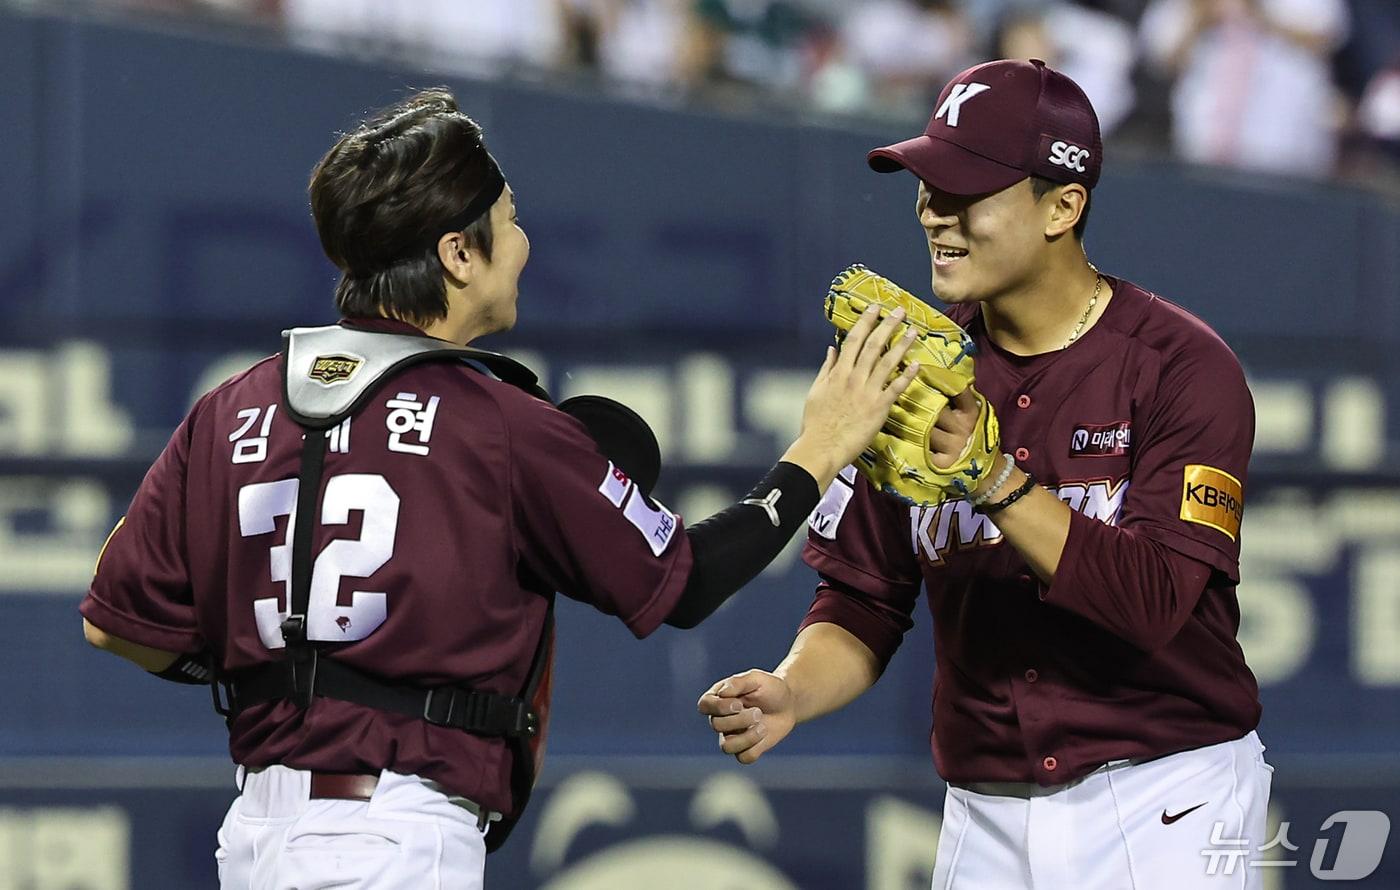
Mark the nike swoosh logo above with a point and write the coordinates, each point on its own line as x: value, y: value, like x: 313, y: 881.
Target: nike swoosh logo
x: 1167, y: 820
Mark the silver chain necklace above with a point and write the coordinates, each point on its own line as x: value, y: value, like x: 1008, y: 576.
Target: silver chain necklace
x: 1093, y: 301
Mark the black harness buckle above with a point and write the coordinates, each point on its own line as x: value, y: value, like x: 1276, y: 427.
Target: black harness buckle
x: 439, y: 706
x: 480, y: 712
x: 225, y: 698
x: 294, y: 630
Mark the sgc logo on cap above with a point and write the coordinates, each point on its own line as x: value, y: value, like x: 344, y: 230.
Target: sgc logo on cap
x: 1071, y: 157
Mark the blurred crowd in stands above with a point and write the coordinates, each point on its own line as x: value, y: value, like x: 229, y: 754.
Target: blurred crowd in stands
x: 1306, y: 88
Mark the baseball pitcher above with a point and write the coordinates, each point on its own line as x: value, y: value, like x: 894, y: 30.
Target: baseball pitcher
x: 1065, y: 478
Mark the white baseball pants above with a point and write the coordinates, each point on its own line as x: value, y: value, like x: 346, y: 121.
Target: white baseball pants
x: 408, y: 836
x: 1165, y: 824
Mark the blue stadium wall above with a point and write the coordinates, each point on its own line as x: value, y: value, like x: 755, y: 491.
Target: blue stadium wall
x: 155, y: 238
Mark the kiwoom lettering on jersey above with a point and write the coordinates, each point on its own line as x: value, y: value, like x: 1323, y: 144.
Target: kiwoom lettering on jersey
x: 1101, y: 439
x: 333, y: 369
x: 1212, y: 497
x: 954, y: 526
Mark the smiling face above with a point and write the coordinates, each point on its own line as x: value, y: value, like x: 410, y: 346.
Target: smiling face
x: 982, y: 246
x: 495, y: 283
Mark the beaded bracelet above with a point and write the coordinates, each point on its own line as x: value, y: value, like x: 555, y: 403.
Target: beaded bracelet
x: 996, y: 485
x: 1010, y: 499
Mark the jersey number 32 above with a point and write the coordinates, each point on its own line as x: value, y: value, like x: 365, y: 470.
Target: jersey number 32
x: 259, y: 505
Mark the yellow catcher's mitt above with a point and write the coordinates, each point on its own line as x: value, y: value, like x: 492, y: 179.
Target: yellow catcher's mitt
x: 898, y: 460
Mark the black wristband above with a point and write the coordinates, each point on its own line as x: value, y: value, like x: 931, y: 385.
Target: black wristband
x: 735, y: 544
x: 191, y: 669
x: 1022, y: 491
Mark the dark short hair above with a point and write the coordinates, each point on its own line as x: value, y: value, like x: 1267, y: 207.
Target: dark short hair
x: 1040, y: 187
x: 384, y: 195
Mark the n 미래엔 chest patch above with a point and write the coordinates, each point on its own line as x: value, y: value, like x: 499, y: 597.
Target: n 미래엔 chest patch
x: 1101, y: 439
x: 1212, y: 497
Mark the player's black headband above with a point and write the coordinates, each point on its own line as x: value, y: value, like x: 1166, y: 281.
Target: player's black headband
x: 485, y: 199
x: 492, y: 186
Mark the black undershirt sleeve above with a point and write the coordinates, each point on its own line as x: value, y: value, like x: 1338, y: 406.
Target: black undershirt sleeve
x: 731, y: 547
x: 191, y: 669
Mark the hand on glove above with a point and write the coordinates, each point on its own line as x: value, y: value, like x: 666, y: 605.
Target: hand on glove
x: 911, y: 456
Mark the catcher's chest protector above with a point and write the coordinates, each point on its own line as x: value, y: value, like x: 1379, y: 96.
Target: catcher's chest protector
x: 329, y: 373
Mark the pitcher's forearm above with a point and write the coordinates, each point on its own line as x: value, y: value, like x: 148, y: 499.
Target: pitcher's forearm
x: 826, y: 669
x: 1036, y: 524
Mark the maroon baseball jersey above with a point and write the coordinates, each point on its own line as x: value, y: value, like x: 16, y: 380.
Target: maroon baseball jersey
x: 1144, y: 428
x: 452, y: 505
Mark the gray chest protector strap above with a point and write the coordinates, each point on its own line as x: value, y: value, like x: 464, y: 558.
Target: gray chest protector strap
x: 328, y: 374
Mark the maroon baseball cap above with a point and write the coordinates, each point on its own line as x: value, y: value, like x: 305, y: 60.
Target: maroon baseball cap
x: 998, y: 123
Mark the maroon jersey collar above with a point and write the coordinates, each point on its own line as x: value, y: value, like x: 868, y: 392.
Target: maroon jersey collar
x: 383, y: 326
x: 1121, y: 314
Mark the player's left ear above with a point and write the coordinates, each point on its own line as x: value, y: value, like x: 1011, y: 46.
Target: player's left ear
x: 1067, y: 204
x: 456, y: 257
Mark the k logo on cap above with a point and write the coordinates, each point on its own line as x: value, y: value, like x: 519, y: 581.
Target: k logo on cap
x: 952, y: 105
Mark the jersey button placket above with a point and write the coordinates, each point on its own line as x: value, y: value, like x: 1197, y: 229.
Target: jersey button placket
x: 1050, y: 764
x: 1023, y: 401
x: 1022, y: 453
